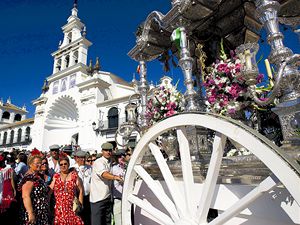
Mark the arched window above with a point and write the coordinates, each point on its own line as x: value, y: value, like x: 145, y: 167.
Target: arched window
x: 69, y: 37
x: 4, y: 138
x: 58, y: 65
x: 19, y: 135
x: 75, y: 55
x: 113, y: 118
x: 18, y: 117
x: 6, y: 115
x: 27, y: 134
x: 67, y: 59
x: 12, y: 134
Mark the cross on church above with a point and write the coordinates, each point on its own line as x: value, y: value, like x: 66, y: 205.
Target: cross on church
x: 75, y: 3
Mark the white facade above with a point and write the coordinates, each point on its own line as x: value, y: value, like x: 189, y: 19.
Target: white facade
x: 76, y: 97
x: 14, y: 127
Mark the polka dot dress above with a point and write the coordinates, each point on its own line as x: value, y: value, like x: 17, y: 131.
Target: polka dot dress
x: 39, y: 200
x: 64, y: 193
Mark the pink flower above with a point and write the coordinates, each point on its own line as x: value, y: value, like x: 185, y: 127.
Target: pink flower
x: 235, y: 90
x: 259, y: 78
x: 222, y: 67
x: 211, y: 99
x: 170, y: 113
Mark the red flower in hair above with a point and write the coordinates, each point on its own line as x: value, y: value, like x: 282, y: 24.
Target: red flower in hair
x: 1, y: 158
x: 35, y: 152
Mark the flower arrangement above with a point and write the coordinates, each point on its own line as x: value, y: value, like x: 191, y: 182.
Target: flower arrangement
x: 164, y: 102
x: 226, y: 89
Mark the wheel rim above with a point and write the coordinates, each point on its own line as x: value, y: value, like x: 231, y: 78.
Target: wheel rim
x: 181, y: 210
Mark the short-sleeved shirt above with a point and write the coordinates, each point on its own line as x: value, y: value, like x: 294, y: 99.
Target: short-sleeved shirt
x: 117, y: 187
x: 85, y: 173
x: 21, y: 169
x: 53, y: 168
x: 100, y: 187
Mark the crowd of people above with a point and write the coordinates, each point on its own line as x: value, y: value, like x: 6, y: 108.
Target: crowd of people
x: 62, y: 186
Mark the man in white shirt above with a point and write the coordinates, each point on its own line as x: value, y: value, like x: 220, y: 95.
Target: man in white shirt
x: 84, y: 172
x: 118, y: 169
x: 53, y: 160
x: 100, y: 194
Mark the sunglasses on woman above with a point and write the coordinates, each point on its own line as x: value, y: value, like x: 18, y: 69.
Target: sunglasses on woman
x: 63, y: 164
x: 91, y: 160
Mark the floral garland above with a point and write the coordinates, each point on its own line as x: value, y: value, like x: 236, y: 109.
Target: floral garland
x: 165, y: 102
x: 226, y: 89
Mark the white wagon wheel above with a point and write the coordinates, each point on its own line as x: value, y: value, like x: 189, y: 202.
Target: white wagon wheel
x: 178, y: 203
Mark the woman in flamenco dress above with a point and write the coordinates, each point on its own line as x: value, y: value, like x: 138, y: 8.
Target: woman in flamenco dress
x: 66, y: 185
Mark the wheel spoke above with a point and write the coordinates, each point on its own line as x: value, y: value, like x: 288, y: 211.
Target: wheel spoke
x: 211, y: 177
x: 169, y: 179
x: 158, y: 191
x: 242, y: 204
x: 146, y: 206
x: 187, y: 171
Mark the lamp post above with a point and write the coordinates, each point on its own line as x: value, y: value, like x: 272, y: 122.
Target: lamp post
x: 125, y: 130
x: 131, y: 112
x: 287, y: 78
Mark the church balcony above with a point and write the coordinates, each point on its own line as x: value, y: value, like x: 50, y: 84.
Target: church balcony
x: 109, y: 127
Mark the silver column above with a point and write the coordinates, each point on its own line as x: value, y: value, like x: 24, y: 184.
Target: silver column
x: 143, y: 90
x: 186, y: 64
x: 289, y: 107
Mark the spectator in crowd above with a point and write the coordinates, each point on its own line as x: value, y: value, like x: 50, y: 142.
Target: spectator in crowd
x: 68, y: 150
x: 8, y: 191
x: 34, y: 209
x: 100, y: 194
x: 94, y: 157
x: 118, y: 169
x: 21, y: 167
x: 45, y: 171
x: 53, y: 160
x: 88, y: 160
x: 11, y: 160
x: 128, y: 153
x: 84, y: 172
x: 65, y: 186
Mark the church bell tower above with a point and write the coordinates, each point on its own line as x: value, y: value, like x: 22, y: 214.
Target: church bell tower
x: 73, y: 49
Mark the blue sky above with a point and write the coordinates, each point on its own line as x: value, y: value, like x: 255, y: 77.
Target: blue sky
x: 31, y: 30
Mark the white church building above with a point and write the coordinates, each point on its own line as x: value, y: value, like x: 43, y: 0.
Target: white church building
x: 15, y: 128
x: 80, y: 104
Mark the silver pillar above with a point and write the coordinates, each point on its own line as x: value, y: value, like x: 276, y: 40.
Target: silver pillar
x: 289, y: 105
x: 143, y: 90
x: 186, y: 64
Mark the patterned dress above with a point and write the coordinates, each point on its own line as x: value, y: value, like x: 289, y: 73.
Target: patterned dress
x: 39, y: 200
x: 64, y: 193
x: 8, y: 192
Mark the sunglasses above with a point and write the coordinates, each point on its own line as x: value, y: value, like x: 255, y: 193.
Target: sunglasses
x: 63, y: 164
x: 91, y: 160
